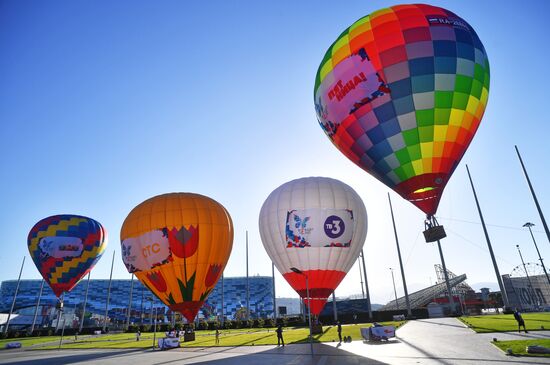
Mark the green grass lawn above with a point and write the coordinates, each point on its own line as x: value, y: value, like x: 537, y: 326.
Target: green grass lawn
x: 520, y: 347
x: 234, y: 337
x: 29, y: 341
x: 506, y: 322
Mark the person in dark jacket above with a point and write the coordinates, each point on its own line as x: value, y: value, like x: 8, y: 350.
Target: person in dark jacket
x: 339, y: 331
x: 280, y: 336
x: 519, y: 319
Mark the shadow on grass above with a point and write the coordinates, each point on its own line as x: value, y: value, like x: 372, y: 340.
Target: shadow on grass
x: 95, y: 357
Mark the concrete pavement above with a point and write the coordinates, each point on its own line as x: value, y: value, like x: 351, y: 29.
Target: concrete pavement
x: 426, y: 341
x: 244, y: 355
x: 444, y: 341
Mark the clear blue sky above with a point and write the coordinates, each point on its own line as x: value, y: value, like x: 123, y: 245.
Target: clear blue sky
x: 104, y: 104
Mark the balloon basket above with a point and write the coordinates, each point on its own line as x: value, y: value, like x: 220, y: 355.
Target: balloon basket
x: 188, y: 336
x: 434, y: 234
x: 317, y: 329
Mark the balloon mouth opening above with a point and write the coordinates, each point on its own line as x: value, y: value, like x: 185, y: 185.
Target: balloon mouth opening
x: 423, y: 190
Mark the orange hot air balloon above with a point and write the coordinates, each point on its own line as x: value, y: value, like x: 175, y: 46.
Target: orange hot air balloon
x: 178, y: 245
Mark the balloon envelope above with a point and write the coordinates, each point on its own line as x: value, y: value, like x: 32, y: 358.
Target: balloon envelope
x: 178, y: 245
x: 401, y: 93
x: 318, y: 226
x: 65, y: 248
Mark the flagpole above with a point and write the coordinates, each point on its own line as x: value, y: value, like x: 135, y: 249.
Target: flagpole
x: 495, y: 266
x: 534, y: 196
x: 129, y: 309
x: 85, y: 302
x: 273, y: 284
x: 37, y: 305
x: 334, y: 310
x: 407, y: 302
x: 361, y: 278
x: 366, y: 285
x: 223, y: 314
x: 14, y: 296
x: 247, y: 282
x: 108, y: 294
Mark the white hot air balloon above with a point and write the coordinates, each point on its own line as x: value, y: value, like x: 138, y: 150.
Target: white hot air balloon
x: 317, y: 225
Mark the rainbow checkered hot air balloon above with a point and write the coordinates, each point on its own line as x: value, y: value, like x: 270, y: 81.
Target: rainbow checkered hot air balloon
x: 401, y: 93
x: 65, y: 248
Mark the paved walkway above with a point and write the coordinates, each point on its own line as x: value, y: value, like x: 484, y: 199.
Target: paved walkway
x: 427, y: 341
x: 444, y: 341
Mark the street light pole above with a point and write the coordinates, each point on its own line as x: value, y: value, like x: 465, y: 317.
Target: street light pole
x: 300, y: 272
x: 394, y: 290
x: 526, y: 273
x: 529, y: 225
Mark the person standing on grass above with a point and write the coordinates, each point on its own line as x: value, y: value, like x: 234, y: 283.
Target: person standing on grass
x: 217, y: 336
x: 138, y: 335
x: 280, y: 335
x: 519, y: 319
x: 339, y: 331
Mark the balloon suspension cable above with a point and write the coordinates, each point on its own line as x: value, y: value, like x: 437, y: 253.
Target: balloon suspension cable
x: 430, y: 221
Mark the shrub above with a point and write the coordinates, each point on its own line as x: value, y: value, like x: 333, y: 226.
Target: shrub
x: 260, y: 323
x: 213, y: 325
x: 203, y: 325
x: 228, y: 324
x: 284, y: 321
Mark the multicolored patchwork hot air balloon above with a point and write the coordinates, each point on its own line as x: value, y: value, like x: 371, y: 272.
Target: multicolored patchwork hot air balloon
x: 318, y: 226
x: 178, y: 245
x: 401, y: 93
x: 65, y: 248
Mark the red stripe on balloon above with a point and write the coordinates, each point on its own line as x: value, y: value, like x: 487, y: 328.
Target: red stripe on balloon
x: 321, y: 284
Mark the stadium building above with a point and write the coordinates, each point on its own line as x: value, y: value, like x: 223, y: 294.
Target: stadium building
x: 127, y: 294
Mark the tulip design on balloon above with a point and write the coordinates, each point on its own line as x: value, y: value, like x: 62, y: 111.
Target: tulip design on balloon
x: 178, y: 245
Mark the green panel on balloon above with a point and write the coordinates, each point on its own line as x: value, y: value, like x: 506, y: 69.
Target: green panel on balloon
x: 403, y: 156
x: 442, y: 116
x: 443, y: 99
x: 408, y: 70
x: 460, y: 100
